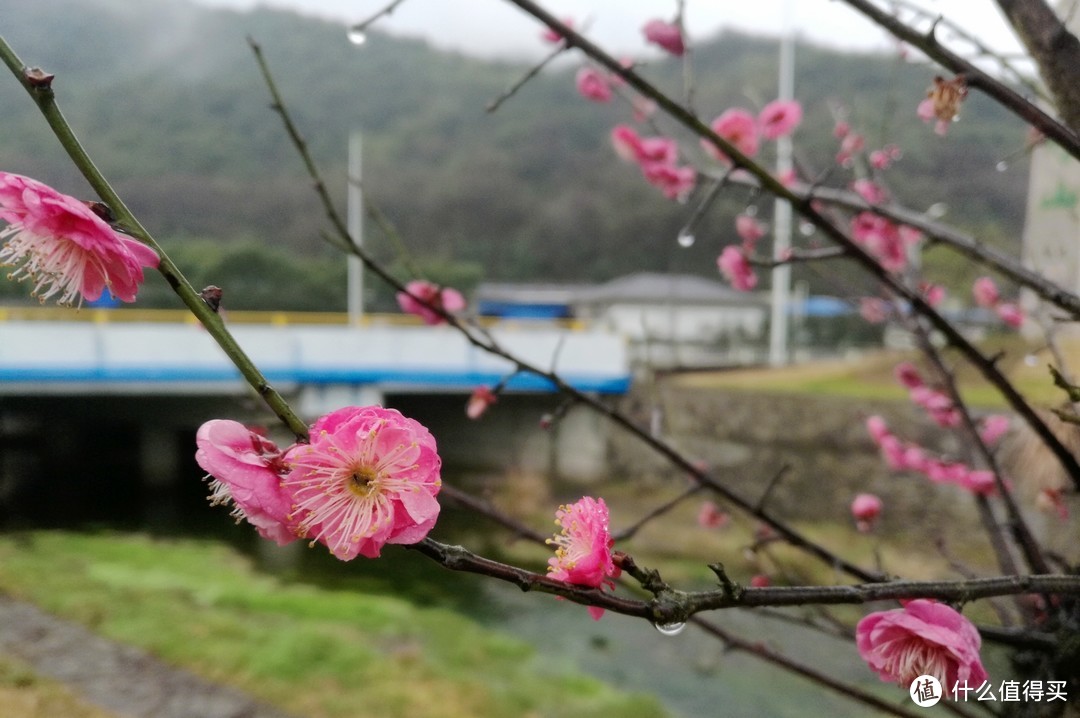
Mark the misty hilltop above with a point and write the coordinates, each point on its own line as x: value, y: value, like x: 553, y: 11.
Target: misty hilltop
x: 167, y: 97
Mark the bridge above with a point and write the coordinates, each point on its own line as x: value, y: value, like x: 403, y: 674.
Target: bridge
x: 318, y: 358
x: 99, y: 397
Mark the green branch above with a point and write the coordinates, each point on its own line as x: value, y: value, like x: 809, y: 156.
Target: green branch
x: 38, y: 86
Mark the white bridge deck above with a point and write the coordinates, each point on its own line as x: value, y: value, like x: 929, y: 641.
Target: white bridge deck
x: 95, y: 351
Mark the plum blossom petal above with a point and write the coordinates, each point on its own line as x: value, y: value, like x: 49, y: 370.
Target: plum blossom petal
x: 247, y: 470
x: 64, y: 248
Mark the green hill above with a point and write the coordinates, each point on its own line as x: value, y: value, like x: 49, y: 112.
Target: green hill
x: 167, y: 97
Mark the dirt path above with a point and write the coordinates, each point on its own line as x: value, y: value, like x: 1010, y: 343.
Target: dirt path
x: 119, y: 678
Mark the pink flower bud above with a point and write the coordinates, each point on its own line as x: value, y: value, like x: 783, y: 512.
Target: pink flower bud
x: 866, y: 508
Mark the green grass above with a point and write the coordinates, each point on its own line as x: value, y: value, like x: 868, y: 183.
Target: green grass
x: 317, y: 652
x: 871, y: 377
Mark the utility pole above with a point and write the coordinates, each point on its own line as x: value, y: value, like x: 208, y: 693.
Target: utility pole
x: 781, y: 274
x: 355, y: 221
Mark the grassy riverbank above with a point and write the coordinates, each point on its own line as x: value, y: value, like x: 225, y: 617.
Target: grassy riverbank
x: 318, y: 652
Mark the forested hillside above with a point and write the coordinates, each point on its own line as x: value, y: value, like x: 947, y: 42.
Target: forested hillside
x: 167, y: 97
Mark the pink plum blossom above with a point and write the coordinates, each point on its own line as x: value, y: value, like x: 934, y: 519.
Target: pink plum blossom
x: 881, y: 238
x: 850, y: 144
x: 841, y: 129
x: 985, y: 292
x: 479, y: 401
x: 675, y: 182
x: 877, y: 427
x: 666, y: 35
x: 870, y: 191
x: 908, y: 375
x: 760, y: 580
x: 866, y: 508
x: 874, y: 309
x: 749, y: 229
x: 369, y: 477
x: 779, y: 118
x: 583, y: 547
x: 993, y: 428
x: 934, y: 294
x: 711, y: 517
x: 423, y: 299
x: 734, y: 266
x: 1010, y: 313
x: 592, y: 84
x: 247, y: 469
x: 922, y: 638
x: 63, y: 247
x: 739, y: 127
x: 880, y: 160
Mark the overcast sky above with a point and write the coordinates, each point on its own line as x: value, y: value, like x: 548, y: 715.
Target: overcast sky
x: 496, y: 28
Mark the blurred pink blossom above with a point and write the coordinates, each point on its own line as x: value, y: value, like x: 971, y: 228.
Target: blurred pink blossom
x: 870, y: 191
x: 734, y: 266
x: 423, y: 299
x: 866, y: 508
x: 711, y: 517
x: 749, y: 229
x: 675, y: 182
x: 993, y: 428
x: 1010, y: 313
x: 479, y: 401
x: 666, y: 35
x: 738, y: 127
x: 779, y: 118
x: 985, y: 292
x: 592, y: 84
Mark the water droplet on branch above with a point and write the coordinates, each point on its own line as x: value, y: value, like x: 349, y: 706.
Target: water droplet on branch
x: 670, y: 629
x: 1001, y: 166
x: 686, y: 239
x: 357, y: 36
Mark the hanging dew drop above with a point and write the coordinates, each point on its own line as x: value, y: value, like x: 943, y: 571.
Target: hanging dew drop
x: 751, y: 210
x: 1001, y: 166
x: 670, y: 629
x: 357, y: 36
x: 686, y: 239
x: 807, y: 228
